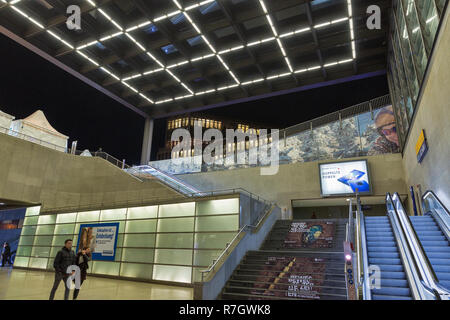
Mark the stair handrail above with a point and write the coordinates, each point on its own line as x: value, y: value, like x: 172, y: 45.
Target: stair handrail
x: 419, y: 287
x: 441, y: 216
x: 424, y: 265
x: 261, y: 218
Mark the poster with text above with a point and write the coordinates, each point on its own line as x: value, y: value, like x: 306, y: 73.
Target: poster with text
x: 318, y: 234
x: 101, y: 238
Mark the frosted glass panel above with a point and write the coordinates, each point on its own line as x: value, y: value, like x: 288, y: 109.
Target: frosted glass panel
x: 43, y: 240
x: 47, y: 219
x: 142, y: 212
x: 197, y: 274
x: 21, y: 262
x: 213, y: 240
x: 139, y: 240
x: 177, y: 209
x: 205, y: 257
x: 120, y: 240
x: 106, y: 267
x: 24, y: 251
x: 65, y: 229
x: 54, y: 251
x: 26, y: 240
x: 38, y: 263
x: 141, y: 226
x: 174, y: 240
x: 30, y: 220
x: 113, y: 214
x: 33, y: 211
x: 40, y: 230
x: 88, y: 216
x: 138, y: 255
x: 118, y: 256
x: 173, y: 256
x: 224, y: 206
x: 66, y: 217
x: 218, y: 223
x: 28, y: 231
x: 134, y: 270
x: 43, y: 252
x: 176, y: 225
x: 59, y: 240
x: 172, y: 273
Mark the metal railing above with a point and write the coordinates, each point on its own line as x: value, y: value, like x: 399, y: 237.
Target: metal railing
x: 25, y: 137
x: 432, y: 204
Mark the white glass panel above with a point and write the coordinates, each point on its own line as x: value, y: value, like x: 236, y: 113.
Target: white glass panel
x: 139, y: 240
x: 45, y: 229
x: 43, y: 240
x: 38, y: 263
x: 21, y: 262
x: 217, y: 223
x: 177, y: 209
x: 197, y: 275
x: 118, y: 256
x: 224, y: 206
x: 47, y: 219
x: 66, y: 217
x: 142, y: 212
x: 26, y: 240
x: 113, y: 214
x: 120, y: 240
x: 42, y: 252
x: 88, y: 216
x: 54, y: 251
x: 174, y: 240
x: 176, y: 225
x: 205, y: 257
x: 65, y: 228
x: 58, y: 241
x: 106, y: 267
x: 213, y: 240
x: 33, y: 220
x: 138, y: 255
x: 28, y: 231
x: 24, y: 251
x: 173, y: 256
x: 50, y: 264
x: 141, y: 226
x: 33, y: 211
x: 172, y: 273
x: 135, y: 270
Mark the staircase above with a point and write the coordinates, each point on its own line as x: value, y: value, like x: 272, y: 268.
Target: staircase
x: 299, y: 260
x: 435, y: 245
x: 382, y: 251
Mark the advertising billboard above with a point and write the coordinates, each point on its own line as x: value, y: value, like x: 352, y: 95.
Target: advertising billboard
x: 343, y: 178
x: 101, y: 238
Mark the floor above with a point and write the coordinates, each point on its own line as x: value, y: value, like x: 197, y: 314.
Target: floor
x: 17, y: 284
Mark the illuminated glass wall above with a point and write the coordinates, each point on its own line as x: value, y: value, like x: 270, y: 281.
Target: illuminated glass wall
x: 414, y: 24
x: 170, y: 242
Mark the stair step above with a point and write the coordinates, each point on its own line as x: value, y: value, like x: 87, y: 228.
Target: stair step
x: 331, y: 292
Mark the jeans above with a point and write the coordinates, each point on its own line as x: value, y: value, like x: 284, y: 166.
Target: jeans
x: 58, y: 277
x: 77, y: 291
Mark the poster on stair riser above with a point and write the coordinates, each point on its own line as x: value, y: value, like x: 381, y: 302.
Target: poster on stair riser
x: 101, y: 238
x: 318, y: 234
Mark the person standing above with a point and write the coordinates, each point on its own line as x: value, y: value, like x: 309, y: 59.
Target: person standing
x: 82, y: 260
x: 64, y: 258
x: 6, y: 254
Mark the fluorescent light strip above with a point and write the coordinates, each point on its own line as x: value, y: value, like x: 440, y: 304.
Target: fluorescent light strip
x: 352, y: 32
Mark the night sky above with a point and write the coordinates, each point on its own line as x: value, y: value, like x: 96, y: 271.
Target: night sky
x: 29, y: 82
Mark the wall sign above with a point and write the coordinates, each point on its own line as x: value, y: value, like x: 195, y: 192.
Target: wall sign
x: 101, y: 238
x: 421, y: 146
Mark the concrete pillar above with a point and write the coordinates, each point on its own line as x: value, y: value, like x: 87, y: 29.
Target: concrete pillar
x: 147, y: 141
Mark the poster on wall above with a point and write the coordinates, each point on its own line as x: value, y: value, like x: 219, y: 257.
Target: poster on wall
x: 343, y: 178
x: 101, y: 238
x: 310, y: 235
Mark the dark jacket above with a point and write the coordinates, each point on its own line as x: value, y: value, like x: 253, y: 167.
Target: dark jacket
x: 6, y: 251
x: 64, y: 258
x: 83, y: 265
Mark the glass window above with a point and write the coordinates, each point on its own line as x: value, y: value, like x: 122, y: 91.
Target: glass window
x: 429, y: 19
x: 21, y: 262
x: 204, y: 258
x: 33, y: 220
x: 176, y: 225
x: 177, y: 209
x: 213, y: 207
x: 213, y: 240
x: 173, y: 256
x: 26, y: 240
x: 58, y: 241
x: 106, y: 267
x: 24, y: 251
x: 38, y: 263
x: 66, y: 217
x: 113, y: 214
x: 53, y: 252
x: 142, y: 212
x: 218, y: 223
x: 43, y: 240
x: 138, y: 255
x: 65, y: 229
x: 28, y: 231
x: 174, y: 240
x: 141, y: 226
x: 41, y: 230
x: 33, y: 211
x: 88, y: 216
x: 172, y: 273
x: 41, y: 252
x: 47, y: 219
x: 136, y: 270
x: 139, y: 240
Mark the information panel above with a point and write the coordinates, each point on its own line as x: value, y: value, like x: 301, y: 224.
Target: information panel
x: 343, y: 178
x: 101, y: 238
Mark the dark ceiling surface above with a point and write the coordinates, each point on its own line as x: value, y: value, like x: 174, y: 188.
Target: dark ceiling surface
x: 162, y: 57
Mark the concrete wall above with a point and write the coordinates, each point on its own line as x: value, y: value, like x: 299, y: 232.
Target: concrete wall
x: 298, y: 180
x: 433, y: 115
x: 35, y: 174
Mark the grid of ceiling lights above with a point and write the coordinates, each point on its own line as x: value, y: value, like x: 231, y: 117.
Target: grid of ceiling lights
x: 214, y: 53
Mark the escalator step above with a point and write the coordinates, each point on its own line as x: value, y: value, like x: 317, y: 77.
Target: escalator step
x: 440, y: 267
x: 438, y: 255
x: 381, y: 254
x: 384, y: 249
x: 431, y: 238
x: 385, y: 261
x: 440, y: 262
x: 385, y: 297
x: 435, y: 243
x: 392, y: 291
x: 392, y: 275
x: 391, y: 267
x: 442, y: 275
x: 394, y: 283
x: 380, y: 243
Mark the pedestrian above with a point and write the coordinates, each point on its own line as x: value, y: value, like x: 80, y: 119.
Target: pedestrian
x: 83, y: 258
x: 64, y: 258
x: 6, y: 254
x: 313, y: 216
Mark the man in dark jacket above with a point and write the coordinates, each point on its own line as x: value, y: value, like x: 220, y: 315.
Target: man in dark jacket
x: 6, y: 254
x: 64, y: 258
x: 83, y: 258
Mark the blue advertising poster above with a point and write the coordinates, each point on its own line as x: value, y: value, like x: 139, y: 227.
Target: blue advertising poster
x: 101, y: 238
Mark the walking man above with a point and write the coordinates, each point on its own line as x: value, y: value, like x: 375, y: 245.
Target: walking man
x: 6, y: 254
x: 64, y: 258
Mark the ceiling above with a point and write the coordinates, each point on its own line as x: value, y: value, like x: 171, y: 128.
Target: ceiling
x: 162, y: 57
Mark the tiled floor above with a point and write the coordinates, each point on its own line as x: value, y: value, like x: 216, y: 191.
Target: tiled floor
x: 36, y: 285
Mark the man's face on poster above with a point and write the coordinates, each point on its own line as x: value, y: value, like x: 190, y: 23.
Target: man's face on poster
x: 386, y: 127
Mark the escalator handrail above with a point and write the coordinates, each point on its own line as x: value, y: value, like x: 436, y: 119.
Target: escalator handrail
x: 367, y: 295
x: 442, y: 220
x: 436, y: 197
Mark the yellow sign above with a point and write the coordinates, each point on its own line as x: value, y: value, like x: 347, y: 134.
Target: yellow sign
x: 420, y: 142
